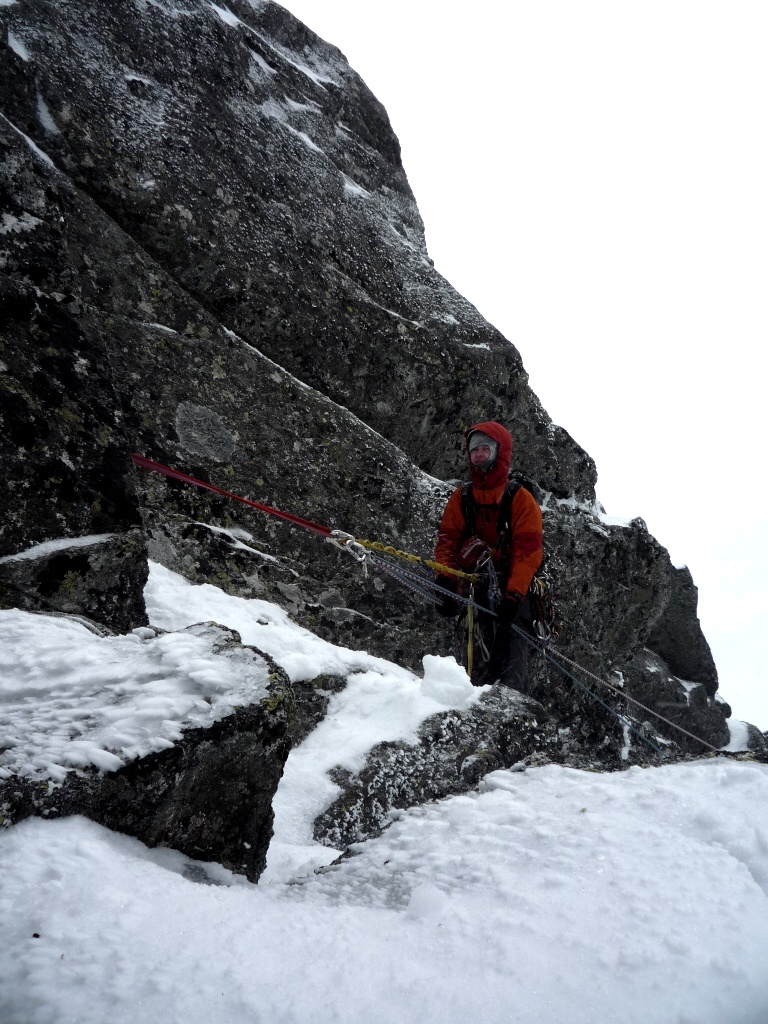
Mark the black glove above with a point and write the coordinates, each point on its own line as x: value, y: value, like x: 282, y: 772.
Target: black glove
x: 508, y: 612
x: 448, y: 606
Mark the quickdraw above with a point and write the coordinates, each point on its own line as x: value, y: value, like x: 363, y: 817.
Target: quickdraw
x: 545, y: 622
x: 346, y: 542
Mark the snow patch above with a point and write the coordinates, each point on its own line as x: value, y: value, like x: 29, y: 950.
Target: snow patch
x: 613, y: 520
x: 739, y: 736
x: 271, y: 108
x: 226, y: 16
x: 48, y: 547
x: 313, y: 108
x: 32, y: 145
x: 45, y: 117
x: 627, y: 744
x: 446, y: 682
x: 259, y: 60
x: 305, y: 139
x: 239, y: 538
x: 18, y: 46
x: 688, y: 687
x: 70, y: 699
x: 313, y: 75
x: 353, y: 189
x: 161, y: 327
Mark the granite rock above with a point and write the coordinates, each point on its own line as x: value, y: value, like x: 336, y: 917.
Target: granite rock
x: 212, y: 257
x: 208, y: 795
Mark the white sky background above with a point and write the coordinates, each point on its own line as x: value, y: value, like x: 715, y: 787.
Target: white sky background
x: 592, y: 177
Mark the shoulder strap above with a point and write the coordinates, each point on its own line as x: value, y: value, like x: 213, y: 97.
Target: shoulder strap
x: 468, y: 506
x: 505, y: 510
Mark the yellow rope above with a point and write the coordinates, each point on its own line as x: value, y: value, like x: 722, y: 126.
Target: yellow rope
x: 386, y: 549
x: 470, y: 637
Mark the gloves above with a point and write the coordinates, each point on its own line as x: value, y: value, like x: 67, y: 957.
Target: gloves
x: 508, y: 612
x: 447, y: 607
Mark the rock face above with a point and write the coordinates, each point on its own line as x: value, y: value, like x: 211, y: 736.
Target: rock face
x: 455, y: 750
x: 209, y: 795
x: 211, y: 256
x: 677, y: 636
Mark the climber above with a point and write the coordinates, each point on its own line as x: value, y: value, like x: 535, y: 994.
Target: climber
x: 477, y: 523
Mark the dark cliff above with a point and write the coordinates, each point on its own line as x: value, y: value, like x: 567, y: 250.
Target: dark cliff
x: 211, y: 256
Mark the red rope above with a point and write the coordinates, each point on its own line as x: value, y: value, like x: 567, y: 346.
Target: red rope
x: 158, y: 467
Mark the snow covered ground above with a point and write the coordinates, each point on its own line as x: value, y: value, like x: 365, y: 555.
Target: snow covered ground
x: 552, y: 895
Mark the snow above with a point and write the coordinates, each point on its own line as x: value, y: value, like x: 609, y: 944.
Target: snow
x: 613, y: 520
x: 297, y: 107
x: 380, y: 702
x: 305, y: 139
x: 45, y: 117
x: 739, y: 735
x: 311, y: 74
x: 18, y: 46
x: 32, y: 145
x: 352, y: 188
x: 259, y: 60
x: 48, y: 547
x: 239, y: 538
x: 226, y: 16
x: 548, y: 894
x: 69, y: 698
x: 161, y: 327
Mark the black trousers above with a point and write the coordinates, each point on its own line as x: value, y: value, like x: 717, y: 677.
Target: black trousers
x: 508, y: 652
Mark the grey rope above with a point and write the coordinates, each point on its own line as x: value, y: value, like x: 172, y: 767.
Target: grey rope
x: 418, y: 582
x: 632, y: 700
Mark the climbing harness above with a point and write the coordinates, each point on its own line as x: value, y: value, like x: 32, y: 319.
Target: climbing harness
x: 541, y: 591
x: 419, y: 581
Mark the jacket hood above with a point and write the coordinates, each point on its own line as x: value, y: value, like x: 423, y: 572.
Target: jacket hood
x: 499, y: 471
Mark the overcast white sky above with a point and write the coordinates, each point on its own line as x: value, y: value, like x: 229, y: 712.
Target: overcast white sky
x: 592, y: 176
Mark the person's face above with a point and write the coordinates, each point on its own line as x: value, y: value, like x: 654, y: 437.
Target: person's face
x: 479, y: 456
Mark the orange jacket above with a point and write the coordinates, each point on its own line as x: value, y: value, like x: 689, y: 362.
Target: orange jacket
x: 526, y: 524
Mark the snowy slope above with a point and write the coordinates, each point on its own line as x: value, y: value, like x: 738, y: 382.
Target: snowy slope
x: 550, y: 895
